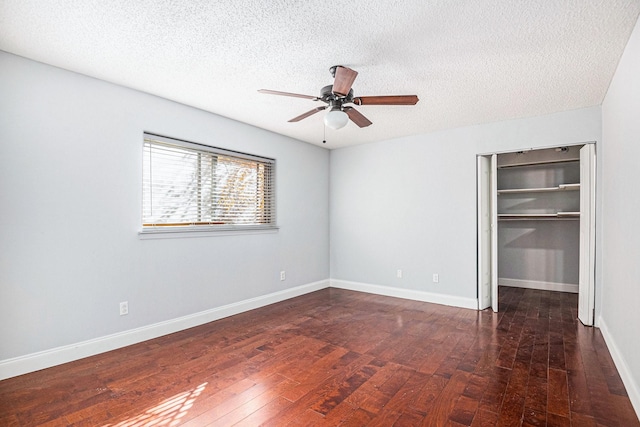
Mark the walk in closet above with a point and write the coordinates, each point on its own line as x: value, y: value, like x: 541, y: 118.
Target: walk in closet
x: 536, y: 223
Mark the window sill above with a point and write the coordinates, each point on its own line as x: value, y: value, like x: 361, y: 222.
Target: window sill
x: 199, y: 231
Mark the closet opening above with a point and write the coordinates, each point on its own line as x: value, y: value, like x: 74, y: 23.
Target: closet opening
x: 536, y: 226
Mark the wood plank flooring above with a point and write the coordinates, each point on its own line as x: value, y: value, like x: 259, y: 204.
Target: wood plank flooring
x: 337, y: 357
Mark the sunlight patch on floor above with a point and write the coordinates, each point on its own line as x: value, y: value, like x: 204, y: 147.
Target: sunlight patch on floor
x: 168, y: 413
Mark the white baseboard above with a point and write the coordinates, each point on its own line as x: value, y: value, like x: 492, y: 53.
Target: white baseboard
x: 534, y: 284
x: 57, y: 356
x: 633, y: 389
x: 407, y: 294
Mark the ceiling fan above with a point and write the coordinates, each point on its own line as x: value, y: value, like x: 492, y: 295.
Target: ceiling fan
x: 339, y: 94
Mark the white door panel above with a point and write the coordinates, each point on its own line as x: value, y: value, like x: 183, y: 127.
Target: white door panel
x: 484, y: 232
x: 586, y: 297
x: 494, y: 232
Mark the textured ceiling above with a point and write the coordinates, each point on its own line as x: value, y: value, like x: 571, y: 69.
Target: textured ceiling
x: 469, y: 62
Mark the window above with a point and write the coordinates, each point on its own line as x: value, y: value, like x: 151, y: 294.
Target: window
x: 189, y: 186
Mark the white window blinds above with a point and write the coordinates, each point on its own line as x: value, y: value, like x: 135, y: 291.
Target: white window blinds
x: 192, y: 186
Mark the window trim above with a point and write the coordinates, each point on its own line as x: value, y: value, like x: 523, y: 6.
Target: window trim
x: 200, y: 231
x: 160, y: 231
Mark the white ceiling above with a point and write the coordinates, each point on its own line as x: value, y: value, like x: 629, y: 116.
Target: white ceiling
x: 469, y: 62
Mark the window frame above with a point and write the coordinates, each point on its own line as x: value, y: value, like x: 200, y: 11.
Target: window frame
x: 161, y: 230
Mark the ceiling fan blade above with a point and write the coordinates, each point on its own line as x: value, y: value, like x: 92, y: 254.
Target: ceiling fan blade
x: 307, y: 114
x: 386, y: 100
x: 356, y: 117
x: 344, y: 78
x: 296, y: 95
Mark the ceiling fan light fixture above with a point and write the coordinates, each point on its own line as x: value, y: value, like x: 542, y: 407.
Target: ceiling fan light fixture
x: 336, y: 118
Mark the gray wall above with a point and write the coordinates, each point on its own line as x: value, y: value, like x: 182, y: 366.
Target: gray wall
x: 70, y: 198
x: 539, y: 251
x: 410, y: 203
x: 621, y: 227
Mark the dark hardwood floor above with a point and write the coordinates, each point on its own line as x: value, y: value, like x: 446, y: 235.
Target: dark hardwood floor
x: 337, y: 357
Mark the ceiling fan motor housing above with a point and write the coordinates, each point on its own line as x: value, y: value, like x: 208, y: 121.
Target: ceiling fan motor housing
x: 327, y: 95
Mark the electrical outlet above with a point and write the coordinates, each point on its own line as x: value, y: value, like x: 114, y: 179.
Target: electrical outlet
x: 124, y: 308
x: 399, y: 274
x: 436, y: 278
x: 283, y: 275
